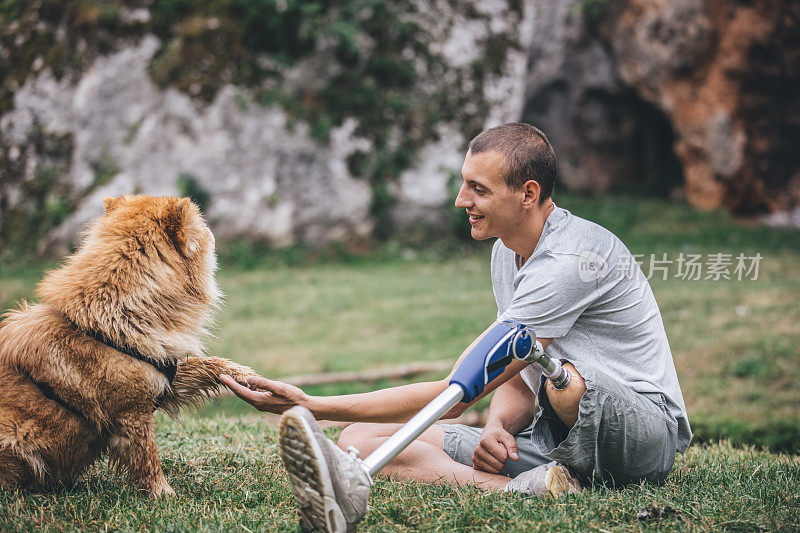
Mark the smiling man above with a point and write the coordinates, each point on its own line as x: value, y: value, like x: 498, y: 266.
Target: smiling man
x: 622, y: 418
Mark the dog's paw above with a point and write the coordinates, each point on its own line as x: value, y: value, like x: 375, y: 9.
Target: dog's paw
x: 162, y: 490
x: 242, y: 375
x: 241, y: 379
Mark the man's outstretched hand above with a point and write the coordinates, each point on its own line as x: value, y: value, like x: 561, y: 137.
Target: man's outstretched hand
x: 266, y: 394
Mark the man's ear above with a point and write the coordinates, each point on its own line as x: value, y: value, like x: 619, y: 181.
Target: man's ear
x: 110, y: 203
x: 175, y: 221
x: 532, y: 191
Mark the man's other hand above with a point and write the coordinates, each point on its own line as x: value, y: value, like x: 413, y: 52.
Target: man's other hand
x: 495, y: 447
x: 266, y: 394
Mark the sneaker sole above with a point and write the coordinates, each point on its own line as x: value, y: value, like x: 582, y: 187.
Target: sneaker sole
x: 311, y: 482
x: 559, y: 481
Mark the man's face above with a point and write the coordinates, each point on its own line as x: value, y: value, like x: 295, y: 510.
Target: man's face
x: 494, y: 209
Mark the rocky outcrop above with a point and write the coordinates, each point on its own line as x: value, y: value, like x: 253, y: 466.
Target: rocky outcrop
x: 337, y: 137
x: 346, y: 121
x: 424, y: 192
x: 726, y: 75
x: 129, y: 136
x: 570, y: 85
x: 690, y: 96
x: 605, y: 135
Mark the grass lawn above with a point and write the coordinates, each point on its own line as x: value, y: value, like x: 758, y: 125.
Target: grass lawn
x: 735, y: 344
x: 228, y: 476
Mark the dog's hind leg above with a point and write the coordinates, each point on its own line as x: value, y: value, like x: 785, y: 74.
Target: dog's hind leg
x: 16, y: 472
x: 132, y: 449
x: 198, y: 378
x: 42, y: 444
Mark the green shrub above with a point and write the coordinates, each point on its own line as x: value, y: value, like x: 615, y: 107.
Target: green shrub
x: 104, y: 170
x: 752, y: 367
x: 775, y: 435
x: 189, y: 187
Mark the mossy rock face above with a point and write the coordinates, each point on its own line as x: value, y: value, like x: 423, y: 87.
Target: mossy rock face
x: 325, y: 62
x: 40, y: 199
x: 397, y: 70
x: 61, y: 36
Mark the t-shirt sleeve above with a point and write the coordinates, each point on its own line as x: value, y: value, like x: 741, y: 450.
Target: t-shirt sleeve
x: 551, y: 295
x: 496, y: 270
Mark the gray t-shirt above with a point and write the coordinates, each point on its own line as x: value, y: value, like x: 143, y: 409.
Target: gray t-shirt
x: 582, y: 288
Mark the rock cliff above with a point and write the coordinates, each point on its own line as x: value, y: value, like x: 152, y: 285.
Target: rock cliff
x: 294, y: 121
x: 310, y: 122
x: 726, y: 74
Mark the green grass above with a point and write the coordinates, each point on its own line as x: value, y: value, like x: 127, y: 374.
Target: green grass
x: 735, y: 345
x: 343, y: 317
x: 228, y: 476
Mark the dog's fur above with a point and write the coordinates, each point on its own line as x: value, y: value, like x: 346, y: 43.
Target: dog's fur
x: 143, y: 280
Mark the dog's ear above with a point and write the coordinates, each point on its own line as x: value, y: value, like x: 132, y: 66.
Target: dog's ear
x: 111, y: 203
x: 176, y: 221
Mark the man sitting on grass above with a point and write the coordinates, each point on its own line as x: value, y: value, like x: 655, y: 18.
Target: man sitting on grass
x: 622, y: 418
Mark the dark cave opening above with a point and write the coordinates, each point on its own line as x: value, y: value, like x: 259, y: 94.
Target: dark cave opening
x: 607, y: 140
x: 656, y: 169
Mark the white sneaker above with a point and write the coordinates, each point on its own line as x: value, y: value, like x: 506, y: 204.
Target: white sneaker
x: 331, y: 487
x: 552, y: 478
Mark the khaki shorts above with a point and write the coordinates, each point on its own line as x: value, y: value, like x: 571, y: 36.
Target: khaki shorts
x: 620, y: 437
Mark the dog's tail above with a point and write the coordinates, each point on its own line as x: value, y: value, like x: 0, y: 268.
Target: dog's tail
x: 197, y: 379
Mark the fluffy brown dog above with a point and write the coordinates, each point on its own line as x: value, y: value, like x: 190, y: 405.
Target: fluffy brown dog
x: 117, y: 334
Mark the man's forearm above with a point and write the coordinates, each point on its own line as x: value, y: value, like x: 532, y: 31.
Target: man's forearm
x: 513, y: 406
x: 396, y: 404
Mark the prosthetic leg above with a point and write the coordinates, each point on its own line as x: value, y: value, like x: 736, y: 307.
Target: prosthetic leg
x: 501, y: 345
x: 331, y: 488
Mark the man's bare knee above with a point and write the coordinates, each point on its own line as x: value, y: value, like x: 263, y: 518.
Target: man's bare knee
x: 365, y: 437
x: 352, y: 435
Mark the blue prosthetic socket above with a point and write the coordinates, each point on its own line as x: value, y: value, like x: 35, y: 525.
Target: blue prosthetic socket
x: 504, y: 343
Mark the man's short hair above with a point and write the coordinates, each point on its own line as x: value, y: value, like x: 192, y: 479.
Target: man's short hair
x: 528, y: 155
